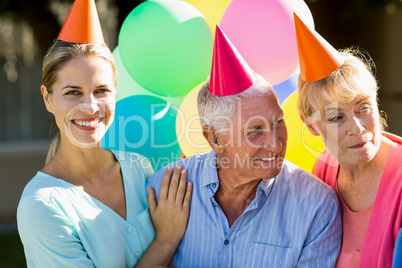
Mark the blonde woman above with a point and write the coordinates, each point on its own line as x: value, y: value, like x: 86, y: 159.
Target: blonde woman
x: 88, y: 206
x: 338, y: 101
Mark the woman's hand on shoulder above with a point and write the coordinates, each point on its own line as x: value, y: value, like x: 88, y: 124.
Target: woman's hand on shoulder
x: 170, y: 214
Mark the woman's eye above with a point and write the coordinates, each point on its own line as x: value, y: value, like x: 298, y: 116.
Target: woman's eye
x: 72, y: 92
x: 365, y: 109
x: 102, y: 90
x: 335, y: 118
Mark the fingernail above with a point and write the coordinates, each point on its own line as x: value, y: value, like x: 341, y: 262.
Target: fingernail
x: 169, y: 168
x: 184, y: 171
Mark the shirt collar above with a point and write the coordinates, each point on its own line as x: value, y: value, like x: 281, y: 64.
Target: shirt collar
x: 210, y: 171
x: 266, y: 185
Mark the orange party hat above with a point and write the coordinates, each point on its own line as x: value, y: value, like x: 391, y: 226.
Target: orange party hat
x: 318, y: 59
x: 82, y: 24
x: 230, y: 73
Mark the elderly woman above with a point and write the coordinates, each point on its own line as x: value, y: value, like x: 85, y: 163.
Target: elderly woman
x: 361, y: 161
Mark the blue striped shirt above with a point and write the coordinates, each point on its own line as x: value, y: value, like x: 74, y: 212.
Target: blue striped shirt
x: 294, y: 221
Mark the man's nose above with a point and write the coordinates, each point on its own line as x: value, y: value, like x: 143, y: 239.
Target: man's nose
x: 272, y: 142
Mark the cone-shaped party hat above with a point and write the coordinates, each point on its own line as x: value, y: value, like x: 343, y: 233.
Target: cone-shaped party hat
x: 230, y: 73
x: 82, y: 24
x: 318, y: 59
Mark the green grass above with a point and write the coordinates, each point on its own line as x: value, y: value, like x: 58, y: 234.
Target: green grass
x: 11, y: 250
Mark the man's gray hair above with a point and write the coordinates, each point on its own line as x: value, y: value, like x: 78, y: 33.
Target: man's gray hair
x: 217, y: 111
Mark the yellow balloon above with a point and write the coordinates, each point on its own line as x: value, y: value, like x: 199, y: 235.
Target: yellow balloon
x: 303, y: 147
x: 211, y: 9
x: 188, y: 127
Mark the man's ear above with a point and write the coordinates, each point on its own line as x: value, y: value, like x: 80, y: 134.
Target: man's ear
x: 212, y: 138
x: 46, y: 98
x: 310, y: 126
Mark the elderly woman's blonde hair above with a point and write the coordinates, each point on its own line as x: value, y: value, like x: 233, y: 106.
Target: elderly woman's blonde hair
x: 354, y: 78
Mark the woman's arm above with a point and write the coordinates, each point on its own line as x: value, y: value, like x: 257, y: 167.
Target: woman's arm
x: 169, y: 216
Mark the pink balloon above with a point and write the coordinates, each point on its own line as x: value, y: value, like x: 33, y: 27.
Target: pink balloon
x: 264, y: 33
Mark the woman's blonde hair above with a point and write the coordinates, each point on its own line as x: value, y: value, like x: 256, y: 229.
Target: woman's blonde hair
x: 57, y: 56
x: 354, y: 78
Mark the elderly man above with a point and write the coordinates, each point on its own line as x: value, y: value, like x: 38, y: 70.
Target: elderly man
x: 250, y: 206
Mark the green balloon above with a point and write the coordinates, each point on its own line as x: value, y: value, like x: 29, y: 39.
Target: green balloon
x: 127, y: 86
x: 166, y: 46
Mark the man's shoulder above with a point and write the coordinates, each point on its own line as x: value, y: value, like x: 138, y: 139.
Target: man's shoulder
x: 302, y: 178
x: 305, y: 189
x: 191, y: 164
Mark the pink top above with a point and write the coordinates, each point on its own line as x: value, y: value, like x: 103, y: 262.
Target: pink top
x: 355, y: 226
x: 386, y: 220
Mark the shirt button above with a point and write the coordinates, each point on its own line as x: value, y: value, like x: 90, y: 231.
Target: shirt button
x: 129, y: 229
x: 137, y: 255
x: 226, y: 242
x: 213, y: 185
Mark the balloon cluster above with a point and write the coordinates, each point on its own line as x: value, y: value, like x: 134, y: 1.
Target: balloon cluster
x: 164, y: 55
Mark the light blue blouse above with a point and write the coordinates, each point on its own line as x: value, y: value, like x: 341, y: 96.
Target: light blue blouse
x: 60, y: 225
